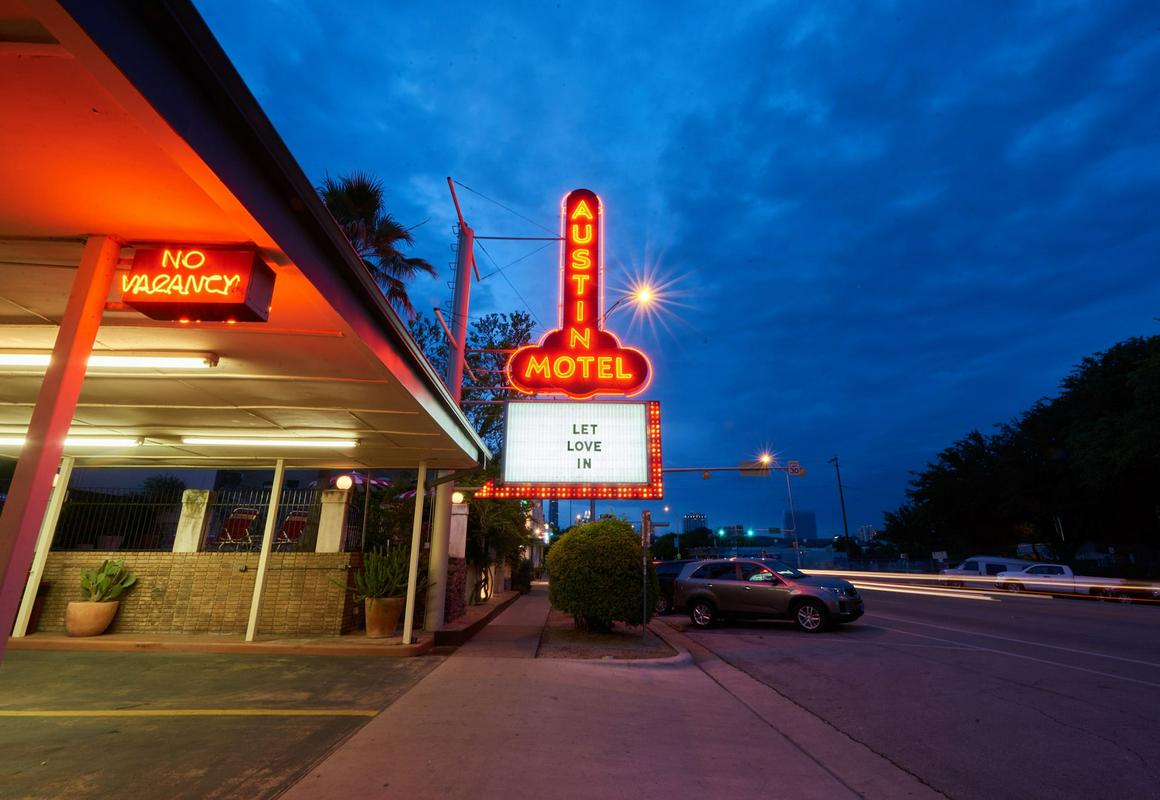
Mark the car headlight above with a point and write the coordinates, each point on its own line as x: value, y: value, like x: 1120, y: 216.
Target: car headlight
x: 838, y: 590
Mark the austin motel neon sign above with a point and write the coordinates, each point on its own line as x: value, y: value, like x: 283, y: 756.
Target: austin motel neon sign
x: 580, y: 359
x: 186, y: 283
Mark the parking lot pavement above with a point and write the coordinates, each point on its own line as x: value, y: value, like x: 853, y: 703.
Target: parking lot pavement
x: 182, y: 725
x: 1012, y: 698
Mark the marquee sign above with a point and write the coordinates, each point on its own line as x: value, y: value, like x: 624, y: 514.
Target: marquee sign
x: 580, y: 359
x: 180, y: 282
x: 567, y: 450
x: 596, y: 449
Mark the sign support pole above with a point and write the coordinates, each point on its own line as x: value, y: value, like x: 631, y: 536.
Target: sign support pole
x: 645, y: 540
x: 441, y: 523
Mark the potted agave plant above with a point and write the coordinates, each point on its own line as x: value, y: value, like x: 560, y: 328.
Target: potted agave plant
x: 380, y: 585
x: 101, y: 589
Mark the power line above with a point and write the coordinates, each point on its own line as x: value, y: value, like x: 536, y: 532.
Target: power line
x: 513, y: 263
x: 503, y: 275
x: 506, y: 208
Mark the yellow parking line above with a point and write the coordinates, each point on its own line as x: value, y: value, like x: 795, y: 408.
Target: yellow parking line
x: 192, y: 712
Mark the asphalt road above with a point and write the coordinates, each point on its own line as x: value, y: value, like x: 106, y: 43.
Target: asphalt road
x: 152, y: 725
x: 983, y: 696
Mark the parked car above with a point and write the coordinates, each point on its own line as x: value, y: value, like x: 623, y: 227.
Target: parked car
x: 1059, y: 579
x: 763, y: 589
x: 667, y: 572
x: 986, y: 567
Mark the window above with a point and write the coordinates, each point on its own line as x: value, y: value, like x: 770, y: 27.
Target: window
x: 727, y: 571
x: 970, y: 566
x: 1038, y: 571
x: 1054, y: 570
x: 995, y: 569
x: 755, y: 573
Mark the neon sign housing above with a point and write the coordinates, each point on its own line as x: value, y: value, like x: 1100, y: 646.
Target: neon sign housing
x: 191, y: 283
x: 580, y: 359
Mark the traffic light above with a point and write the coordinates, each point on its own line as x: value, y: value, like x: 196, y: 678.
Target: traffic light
x: 720, y: 531
x: 749, y: 532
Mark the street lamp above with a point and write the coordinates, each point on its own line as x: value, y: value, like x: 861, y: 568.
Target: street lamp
x: 641, y: 296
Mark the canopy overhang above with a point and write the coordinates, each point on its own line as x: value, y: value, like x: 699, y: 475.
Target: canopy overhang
x: 128, y: 120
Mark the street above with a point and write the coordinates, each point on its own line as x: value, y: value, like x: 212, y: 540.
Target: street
x: 979, y: 696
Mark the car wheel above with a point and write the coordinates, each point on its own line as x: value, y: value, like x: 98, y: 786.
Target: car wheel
x: 955, y: 584
x: 1114, y: 596
x: 811, y: 616
x: 1014, y: 587
x: 703, y: 614
x: 663, y: 605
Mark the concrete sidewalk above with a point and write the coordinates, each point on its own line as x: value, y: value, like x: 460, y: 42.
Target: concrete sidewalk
x: 495, y: 722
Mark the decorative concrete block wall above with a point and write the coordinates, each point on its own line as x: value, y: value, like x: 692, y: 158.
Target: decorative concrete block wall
x: 211, y: 592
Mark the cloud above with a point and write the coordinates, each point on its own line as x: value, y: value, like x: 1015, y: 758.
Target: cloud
x: 893, y: 226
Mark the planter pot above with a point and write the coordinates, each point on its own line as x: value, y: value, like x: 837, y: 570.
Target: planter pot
x: 382, y: 616
x: 86, y: 618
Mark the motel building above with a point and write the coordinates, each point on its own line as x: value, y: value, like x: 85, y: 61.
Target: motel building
x: 173, y: 296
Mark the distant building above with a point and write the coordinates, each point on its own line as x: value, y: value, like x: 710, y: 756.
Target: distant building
x: 807, y: 524
x: 554, y: 514
x: 692, y: 521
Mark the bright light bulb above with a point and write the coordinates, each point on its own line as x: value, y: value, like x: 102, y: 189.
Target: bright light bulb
x: 457, y: 497
x: 344, y: 482
x: 644, y: 295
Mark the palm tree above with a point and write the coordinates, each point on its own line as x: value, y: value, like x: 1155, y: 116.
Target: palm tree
x: 356, y: 203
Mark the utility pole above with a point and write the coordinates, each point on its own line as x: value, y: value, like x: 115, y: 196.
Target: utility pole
x: 441, y: 516
x: 842, y: 500
x: 645, y: 541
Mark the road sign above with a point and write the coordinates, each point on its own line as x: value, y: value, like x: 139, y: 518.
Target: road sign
x: 795, y: 468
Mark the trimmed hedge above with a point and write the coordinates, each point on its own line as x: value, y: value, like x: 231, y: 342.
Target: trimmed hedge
x: 595, y: 575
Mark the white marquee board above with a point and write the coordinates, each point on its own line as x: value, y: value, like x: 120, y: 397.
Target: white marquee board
x: 567, y: 443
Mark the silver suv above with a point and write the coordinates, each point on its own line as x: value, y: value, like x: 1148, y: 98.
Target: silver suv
x: 763, y: 588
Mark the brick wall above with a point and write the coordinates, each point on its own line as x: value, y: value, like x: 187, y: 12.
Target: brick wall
x: 211, y: 592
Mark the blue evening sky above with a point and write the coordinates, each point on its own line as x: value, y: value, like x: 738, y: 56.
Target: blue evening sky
x: 885, y: 224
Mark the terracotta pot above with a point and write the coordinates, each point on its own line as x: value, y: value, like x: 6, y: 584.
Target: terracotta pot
x: 382, y: 616
x: 87, y: 618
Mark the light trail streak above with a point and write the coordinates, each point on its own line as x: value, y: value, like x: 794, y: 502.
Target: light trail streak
x: 886, y: 587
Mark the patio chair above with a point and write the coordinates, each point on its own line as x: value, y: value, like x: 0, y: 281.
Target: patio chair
x: 291, y: 531
x: 236, y: 532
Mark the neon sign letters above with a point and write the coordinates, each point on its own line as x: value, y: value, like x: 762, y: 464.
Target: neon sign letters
x: 580, y: 359
x: 185, y: 283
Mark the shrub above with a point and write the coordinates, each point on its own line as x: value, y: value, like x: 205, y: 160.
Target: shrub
x: 595, y: 574
x: 522, y: 575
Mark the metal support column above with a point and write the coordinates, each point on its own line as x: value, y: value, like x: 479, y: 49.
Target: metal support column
x: 416, y: 541
x: 55, y: 405
x: 264, y: 558
x: 44, y: 544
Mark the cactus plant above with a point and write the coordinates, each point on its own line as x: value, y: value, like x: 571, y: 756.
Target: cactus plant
x: 383, y: 574
x: 107, y: 582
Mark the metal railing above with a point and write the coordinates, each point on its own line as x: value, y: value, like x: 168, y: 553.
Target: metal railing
x: 118, y: 519
x: 237, y: 519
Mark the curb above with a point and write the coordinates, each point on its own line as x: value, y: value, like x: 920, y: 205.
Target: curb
x: 268, y: 648
x: 461, y: 635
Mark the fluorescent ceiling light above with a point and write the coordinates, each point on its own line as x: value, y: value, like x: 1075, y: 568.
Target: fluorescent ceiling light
x: 256, y: 442
x: 115, y: 359
x: 80, y: 441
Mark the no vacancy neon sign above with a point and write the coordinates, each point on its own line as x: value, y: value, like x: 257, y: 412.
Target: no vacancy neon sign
x: 580, y: 359
x: 198, y: 284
